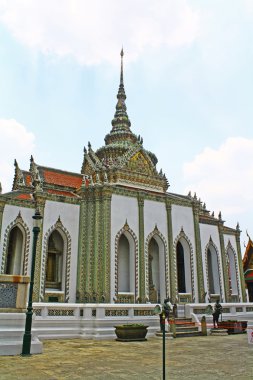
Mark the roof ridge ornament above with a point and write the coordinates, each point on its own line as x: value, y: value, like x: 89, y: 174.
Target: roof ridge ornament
x: 18, y: 177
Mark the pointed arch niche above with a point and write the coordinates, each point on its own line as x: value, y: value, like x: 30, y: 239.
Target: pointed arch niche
x: 16, y: 248
x: 184, y: 268
x: 213, y: 271
x: 232, y: 266
x: 126, y: 265
x: 157, y: 277
x: 55, y: 277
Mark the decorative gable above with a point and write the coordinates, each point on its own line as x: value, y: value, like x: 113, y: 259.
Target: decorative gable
x: 139, y: 163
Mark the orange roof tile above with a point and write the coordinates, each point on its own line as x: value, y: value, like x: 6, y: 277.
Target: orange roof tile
x: 28, y: 180
x: 24, y: 196
x: 62, y: 179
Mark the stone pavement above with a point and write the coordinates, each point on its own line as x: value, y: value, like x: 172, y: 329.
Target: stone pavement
x: 211, y: 357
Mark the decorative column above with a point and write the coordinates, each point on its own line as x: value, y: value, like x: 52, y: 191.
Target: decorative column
x: 96, y: 242
x: 40, y: 201
x: 106, y: 244
x: 2, y: 204
x: 89, y: 245
x: 239, y: 257
x: 141, y: 249
x: 200, y: 276
x: 224, y: 261
x: 172, y: 258
x: 83, y: 218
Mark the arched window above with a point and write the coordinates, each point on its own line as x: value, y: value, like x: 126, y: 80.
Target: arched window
x: 54, y: 267
x: 15, y: 252
x: 213, y: 271
x: 232, y: 272
x: 124, y: 265
x: 180, y: 269
x: 154, y: 271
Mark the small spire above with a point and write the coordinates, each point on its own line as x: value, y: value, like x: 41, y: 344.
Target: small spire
x: 121, y: 123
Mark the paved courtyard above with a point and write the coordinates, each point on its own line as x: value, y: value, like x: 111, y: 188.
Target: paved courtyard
x: 222, y: 357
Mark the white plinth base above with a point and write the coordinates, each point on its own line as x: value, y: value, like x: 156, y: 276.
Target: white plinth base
x: 11, y: 348
x: 12, y: 328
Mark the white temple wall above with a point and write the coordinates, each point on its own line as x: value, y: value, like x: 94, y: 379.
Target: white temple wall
x: 207, y: 231
x: 69, y: 215
x: 9, y: 215
x: 182, y: 217
x: 155, y: 214
x: 122, y: 209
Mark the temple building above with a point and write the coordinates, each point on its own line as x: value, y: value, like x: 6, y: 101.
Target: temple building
x: 114, y: 233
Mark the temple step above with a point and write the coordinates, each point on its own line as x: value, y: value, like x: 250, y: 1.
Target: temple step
x: 185, y: 327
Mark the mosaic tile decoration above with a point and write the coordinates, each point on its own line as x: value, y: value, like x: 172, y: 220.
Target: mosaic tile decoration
x: 8, y: 295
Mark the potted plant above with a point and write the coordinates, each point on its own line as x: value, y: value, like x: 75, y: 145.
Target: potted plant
x: 131, y: 332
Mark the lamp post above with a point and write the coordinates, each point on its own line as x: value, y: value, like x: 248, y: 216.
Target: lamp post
x: 163, y: 316
x: 26, y: 348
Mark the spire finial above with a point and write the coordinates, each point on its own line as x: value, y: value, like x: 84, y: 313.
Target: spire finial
x: 121, y: 71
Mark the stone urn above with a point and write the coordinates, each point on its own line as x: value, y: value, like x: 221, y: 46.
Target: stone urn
x: 131, y: 332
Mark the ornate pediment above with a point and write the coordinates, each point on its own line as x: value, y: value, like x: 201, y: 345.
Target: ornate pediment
x: 139, y: 163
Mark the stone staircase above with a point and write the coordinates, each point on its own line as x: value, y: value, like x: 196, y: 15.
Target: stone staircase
x: 185, y: 327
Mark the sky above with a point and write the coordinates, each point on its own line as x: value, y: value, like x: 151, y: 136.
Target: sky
x: 188, y: 80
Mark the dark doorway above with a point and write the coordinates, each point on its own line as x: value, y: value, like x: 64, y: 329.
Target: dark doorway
x: 180, y: 269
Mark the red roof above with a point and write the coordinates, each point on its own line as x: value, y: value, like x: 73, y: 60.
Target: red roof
x: 63, y: 179
x: 28, y: 179
x: 24, y: 196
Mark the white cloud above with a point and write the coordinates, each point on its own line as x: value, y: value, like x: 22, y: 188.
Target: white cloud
x: 16, y: 142
x: 224, y: 177
x: 93, y: 31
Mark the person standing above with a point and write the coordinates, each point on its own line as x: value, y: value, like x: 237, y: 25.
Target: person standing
x: 216, y: 313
